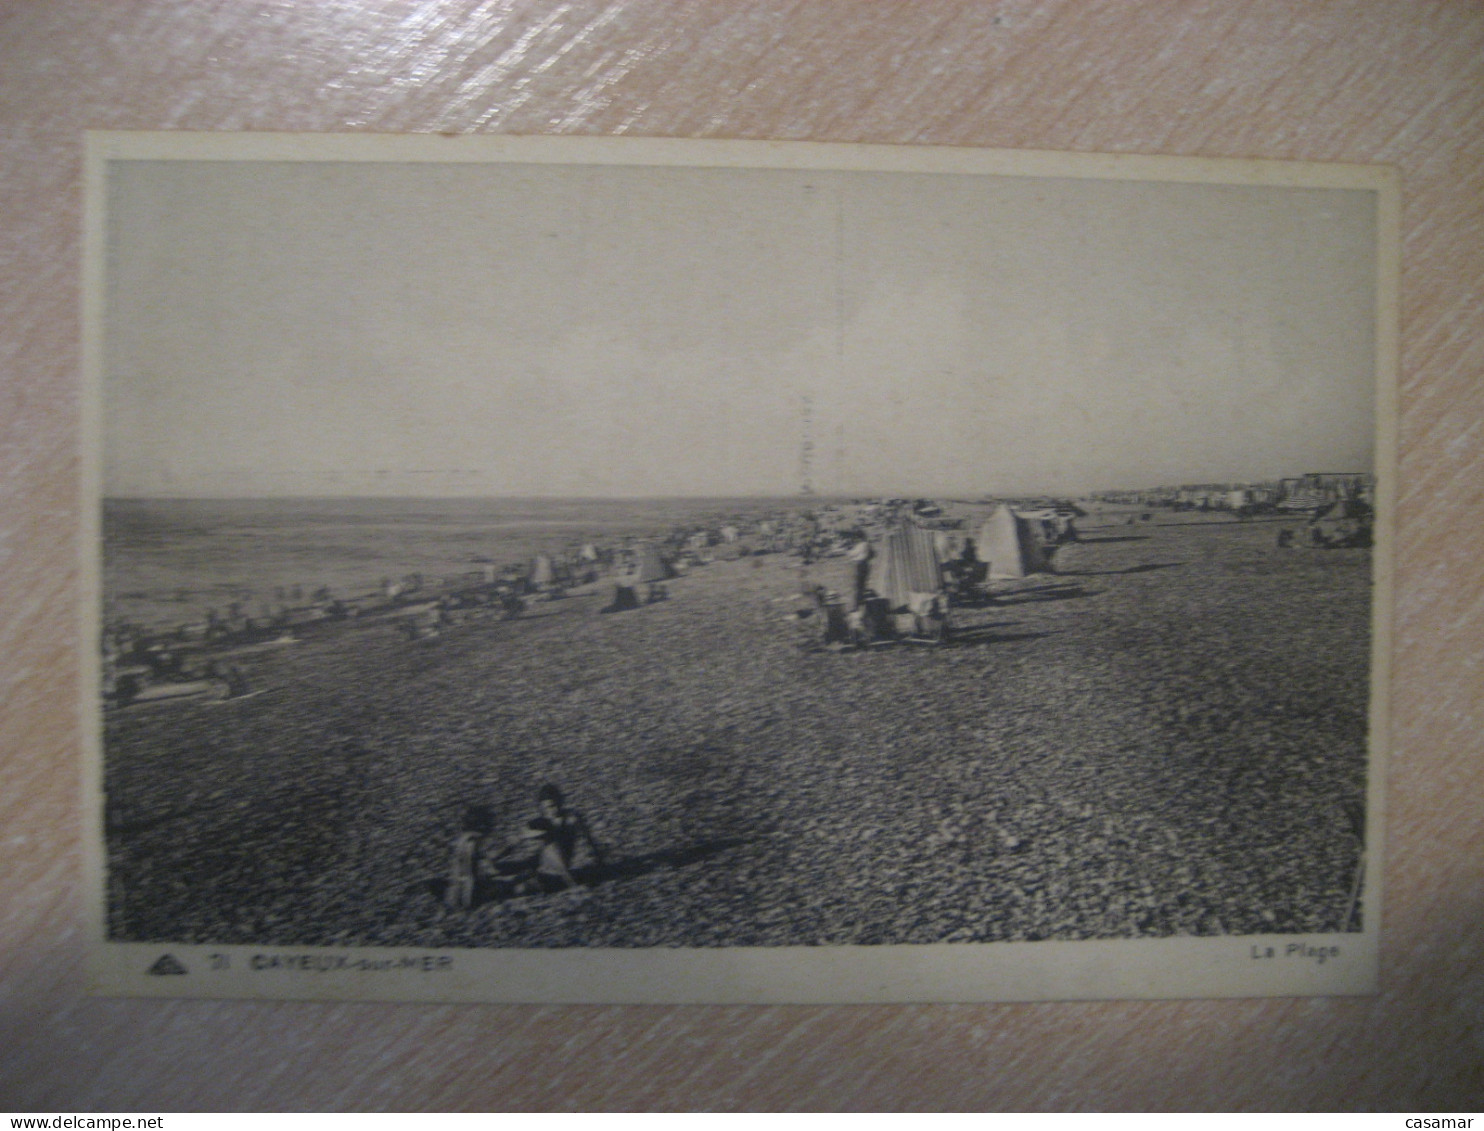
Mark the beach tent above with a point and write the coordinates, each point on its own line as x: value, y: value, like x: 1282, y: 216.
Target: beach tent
x: 1009, y: 546
x: 906, y: 562
x: 650, y: 563
x: 542, y: 571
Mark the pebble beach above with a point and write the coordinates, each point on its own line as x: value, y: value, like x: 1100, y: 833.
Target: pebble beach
x: 1165, y: 737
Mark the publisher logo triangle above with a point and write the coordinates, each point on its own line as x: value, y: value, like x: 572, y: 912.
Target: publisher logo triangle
x: 167, y: 964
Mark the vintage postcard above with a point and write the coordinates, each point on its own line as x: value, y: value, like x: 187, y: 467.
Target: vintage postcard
x: 609, y: 570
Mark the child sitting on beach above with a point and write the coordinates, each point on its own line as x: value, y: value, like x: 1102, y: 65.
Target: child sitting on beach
x: 466, y: 865
x: 540, y: 857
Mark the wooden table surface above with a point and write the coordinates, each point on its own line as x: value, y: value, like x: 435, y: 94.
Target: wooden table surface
x: 1375, y: 81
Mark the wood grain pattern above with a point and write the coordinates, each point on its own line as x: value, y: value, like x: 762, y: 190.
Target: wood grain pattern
x: 1363, y: 80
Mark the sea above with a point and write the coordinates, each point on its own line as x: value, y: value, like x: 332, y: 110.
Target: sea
x: 168, y: 562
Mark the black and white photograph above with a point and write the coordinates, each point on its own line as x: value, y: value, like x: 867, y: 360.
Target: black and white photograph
x: 548, y: 569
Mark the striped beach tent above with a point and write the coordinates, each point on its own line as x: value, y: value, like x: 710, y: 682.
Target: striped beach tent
x: 651, y: 564
x: 906, y: 563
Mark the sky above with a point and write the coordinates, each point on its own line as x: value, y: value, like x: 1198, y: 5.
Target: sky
x: 325, y: 328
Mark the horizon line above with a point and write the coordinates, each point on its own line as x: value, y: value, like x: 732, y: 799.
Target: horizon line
x: 795, y: 495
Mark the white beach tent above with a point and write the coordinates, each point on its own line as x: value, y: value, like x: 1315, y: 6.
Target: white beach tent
x: 1008, y: 545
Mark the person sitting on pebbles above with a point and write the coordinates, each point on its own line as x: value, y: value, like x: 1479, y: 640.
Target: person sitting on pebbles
x: 464, y: 871
x: 540, y: 857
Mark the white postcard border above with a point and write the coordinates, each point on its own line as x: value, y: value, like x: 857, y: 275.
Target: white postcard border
x: 1153, y: 968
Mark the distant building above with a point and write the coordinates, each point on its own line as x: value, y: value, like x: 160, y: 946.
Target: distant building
x: 1317, y: 488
